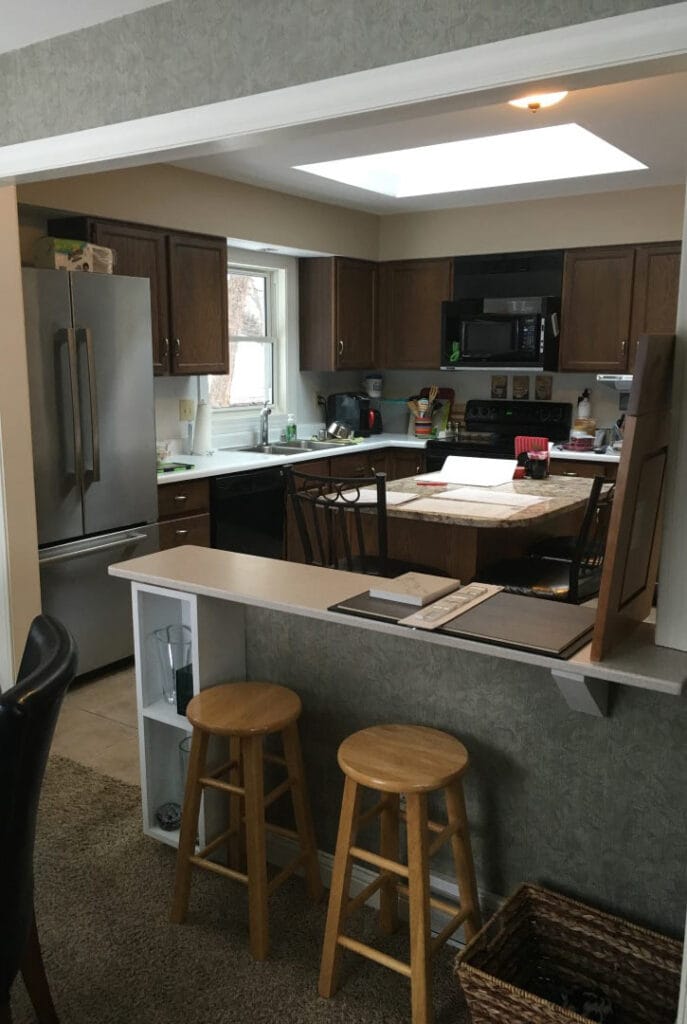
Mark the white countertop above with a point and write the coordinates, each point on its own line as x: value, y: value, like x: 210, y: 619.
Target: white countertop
x: 236, y: 461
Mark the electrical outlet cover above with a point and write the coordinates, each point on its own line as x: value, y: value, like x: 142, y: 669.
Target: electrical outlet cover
x: 186, y: 409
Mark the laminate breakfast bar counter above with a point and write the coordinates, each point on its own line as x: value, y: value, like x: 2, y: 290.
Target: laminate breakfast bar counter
x: 588, y: 804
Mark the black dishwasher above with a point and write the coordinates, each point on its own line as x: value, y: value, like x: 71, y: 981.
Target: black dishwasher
x: 247, y: 512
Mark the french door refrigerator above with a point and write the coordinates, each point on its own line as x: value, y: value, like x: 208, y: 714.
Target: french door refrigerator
x: 89, y: 352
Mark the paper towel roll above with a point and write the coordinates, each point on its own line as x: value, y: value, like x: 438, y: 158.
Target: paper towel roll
x: 202, y: 431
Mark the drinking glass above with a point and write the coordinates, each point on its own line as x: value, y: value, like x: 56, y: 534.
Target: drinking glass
x: 174, y: 650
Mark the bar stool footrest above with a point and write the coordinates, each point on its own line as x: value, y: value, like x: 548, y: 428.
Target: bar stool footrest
x: 400, y: 966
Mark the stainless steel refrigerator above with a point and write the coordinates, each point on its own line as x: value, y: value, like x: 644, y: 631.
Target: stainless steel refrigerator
x: 90, y: 364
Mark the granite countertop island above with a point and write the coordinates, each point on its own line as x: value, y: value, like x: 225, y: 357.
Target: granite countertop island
x: 562, y: 495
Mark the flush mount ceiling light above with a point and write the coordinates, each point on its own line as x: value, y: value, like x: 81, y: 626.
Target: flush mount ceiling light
x: 539, y: 100
x: 541, y: 154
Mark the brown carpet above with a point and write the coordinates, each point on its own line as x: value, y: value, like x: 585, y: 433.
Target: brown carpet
x: 103, y: 895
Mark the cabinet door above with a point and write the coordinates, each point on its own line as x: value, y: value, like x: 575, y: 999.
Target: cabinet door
x: 654, y: 297
x: 356, y: 314
x: 411, y: 293
x: 198, y: 304
x: 351, y: 465
x: 405, y: 462
x: 141, y: 253
x: 597, y: 299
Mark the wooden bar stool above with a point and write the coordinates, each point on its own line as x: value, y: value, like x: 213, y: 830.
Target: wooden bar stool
x: 415, y: 761
x: 245, y: 713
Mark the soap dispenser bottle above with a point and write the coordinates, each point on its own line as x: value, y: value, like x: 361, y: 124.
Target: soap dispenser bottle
x: 584, y: 406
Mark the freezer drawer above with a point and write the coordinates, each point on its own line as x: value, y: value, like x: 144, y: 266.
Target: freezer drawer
x: 95, y: 607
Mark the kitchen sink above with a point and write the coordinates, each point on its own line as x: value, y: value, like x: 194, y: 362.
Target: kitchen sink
x: 288, y: 447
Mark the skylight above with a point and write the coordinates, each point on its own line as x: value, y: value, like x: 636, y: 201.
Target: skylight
x: 540, y: 154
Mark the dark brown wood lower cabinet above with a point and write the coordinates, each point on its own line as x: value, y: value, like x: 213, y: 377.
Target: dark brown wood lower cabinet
x: 185, y: 530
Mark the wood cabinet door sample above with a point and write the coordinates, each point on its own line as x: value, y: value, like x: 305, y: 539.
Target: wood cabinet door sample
x: 654, y: 297
x: 411, y: 293
x: 597, y: 300
x: 355, y: 314
x: 141, y: 252
x: 198, y: 293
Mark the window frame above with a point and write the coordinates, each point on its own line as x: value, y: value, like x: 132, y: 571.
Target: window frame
x: 271, y: 337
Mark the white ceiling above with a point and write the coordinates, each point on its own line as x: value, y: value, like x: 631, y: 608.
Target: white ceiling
x: 646, y: 118
x: 24, y: 24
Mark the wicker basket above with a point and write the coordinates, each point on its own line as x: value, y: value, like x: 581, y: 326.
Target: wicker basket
x: 538, y: 937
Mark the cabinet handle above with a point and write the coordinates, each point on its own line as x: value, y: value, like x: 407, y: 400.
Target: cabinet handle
x: 340, y: 347
x: 181, y: 497
x: 165, y: 342
x: 181, y: 533
x: 569, y: 473
x: 177, y: 347
x: 623, y: 343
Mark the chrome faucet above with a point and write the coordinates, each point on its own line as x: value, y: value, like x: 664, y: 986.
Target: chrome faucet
x: 264, y: 423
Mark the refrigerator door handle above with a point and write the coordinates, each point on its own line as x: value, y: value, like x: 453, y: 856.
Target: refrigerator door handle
x: 93, y: 401
x: 66, y: 556
x: 70, y: 334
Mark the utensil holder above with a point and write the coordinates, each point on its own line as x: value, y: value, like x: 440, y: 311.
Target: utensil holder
x: 423, y: 426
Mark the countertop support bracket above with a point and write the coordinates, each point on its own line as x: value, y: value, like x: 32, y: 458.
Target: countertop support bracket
x: 581, y: 693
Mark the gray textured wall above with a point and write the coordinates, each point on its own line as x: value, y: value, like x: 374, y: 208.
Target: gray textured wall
x: 592, y: 807
x: 180, y: 54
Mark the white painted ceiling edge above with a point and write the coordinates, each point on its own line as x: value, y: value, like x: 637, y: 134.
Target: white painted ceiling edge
x: 650, y: 36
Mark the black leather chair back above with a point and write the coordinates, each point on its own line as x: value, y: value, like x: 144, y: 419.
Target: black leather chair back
x: 28, y: 713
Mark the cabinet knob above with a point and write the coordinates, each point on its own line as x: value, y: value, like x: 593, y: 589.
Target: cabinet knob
x: 340, y: 347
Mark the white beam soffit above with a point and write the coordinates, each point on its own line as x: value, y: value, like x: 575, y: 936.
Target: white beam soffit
x: 645, y: 37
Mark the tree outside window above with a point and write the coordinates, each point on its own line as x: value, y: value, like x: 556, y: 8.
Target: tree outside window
x: 251, y: 343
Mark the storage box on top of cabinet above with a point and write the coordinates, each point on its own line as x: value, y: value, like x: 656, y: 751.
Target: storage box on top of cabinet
x: 541, y: 949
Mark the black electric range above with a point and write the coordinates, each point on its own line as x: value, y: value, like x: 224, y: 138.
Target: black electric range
x: 492, y: 424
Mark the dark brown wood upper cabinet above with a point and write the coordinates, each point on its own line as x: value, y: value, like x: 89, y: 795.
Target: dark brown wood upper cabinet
x: 654, y: 296
x: 597, y: 302
x: 410, y: 297
x: 188, y: 288
x: 338, y: 313
x: 198, y: 304
x: 141, y: 252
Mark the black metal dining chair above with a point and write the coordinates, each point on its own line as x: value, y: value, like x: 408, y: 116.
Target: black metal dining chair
x: 28, y: 713
x: 562, y: 568
x: 342, y: 528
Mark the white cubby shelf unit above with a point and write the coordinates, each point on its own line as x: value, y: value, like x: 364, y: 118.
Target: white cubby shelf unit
x: 217, y: 656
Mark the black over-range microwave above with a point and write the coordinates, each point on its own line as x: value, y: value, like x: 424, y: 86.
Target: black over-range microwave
x: 508, y: 333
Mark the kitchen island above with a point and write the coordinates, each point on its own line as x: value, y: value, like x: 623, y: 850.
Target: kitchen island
x: 462, y: 538
x: 540, y: 773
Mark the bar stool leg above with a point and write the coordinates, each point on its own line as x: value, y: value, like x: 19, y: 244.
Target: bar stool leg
x: 388, y: 847
x: 462, y: 858
x: 189, y: 825
x: 236, y: 844
x: 301, y: 809
x: 255, y: 846
x: 418, y: 886
x: 338, y: 894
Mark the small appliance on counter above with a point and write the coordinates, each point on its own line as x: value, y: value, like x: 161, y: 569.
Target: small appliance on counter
x: 355, y: 411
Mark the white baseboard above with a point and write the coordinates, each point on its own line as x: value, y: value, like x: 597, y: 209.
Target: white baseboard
x: 280, y: 851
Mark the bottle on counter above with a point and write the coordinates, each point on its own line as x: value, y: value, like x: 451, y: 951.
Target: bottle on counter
x: 584, y: 406
x: 291, y: 429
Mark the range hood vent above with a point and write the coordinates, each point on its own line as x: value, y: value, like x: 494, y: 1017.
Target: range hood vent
x: 620, y: 381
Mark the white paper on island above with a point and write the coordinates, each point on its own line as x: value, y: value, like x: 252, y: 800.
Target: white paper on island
x: 488, y: 497
x: 370, y: 494
x: 464, y: 469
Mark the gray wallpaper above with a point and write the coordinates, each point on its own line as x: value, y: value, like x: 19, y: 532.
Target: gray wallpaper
x: 591, y: 807
x: 180, y: 54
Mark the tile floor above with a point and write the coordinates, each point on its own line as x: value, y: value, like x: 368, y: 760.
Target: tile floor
x: 97, y: 725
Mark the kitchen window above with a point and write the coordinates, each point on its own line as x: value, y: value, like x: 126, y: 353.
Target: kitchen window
x: 253, y: 341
